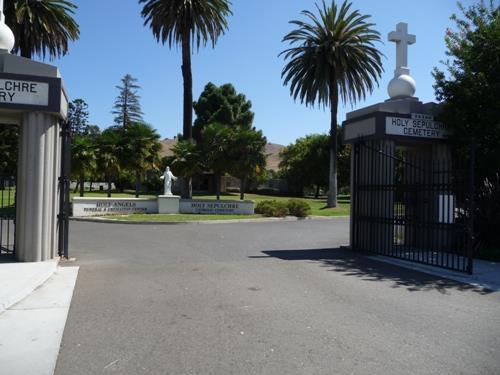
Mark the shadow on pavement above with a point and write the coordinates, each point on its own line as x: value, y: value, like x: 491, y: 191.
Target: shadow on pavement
x: 352, y: 264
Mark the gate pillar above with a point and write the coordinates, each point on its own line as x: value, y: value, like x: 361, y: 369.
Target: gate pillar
x: 32, y: 96
x: 38, y: 188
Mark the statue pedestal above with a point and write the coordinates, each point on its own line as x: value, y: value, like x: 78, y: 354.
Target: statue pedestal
x: 168, y: 204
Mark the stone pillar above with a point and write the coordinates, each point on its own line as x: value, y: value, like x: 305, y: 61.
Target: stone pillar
x: 37, y: 184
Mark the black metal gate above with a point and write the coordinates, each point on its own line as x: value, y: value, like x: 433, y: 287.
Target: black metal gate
x: 7, y: 216
x: 64, y: 191
x: 411, y: 206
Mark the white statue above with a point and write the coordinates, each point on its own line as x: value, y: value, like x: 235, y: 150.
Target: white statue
x: 169, y: 178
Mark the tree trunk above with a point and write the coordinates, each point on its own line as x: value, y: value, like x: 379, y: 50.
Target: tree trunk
x: 76, y: 186
x: 217, y: 185
x: 137, y: 183
x: 82, y: 184
x: 24, y: 47
x: 187, y: 76
x: 109, y: 186
x: 91, y: 182
x: 317, y: 192
x: 332, y: 183
x: 243, y: 181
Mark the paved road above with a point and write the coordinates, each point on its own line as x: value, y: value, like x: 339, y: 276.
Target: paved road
x: 264, y: 298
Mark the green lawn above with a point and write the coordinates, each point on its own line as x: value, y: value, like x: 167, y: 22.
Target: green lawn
x: 7, y: 200
x: 318, y: 206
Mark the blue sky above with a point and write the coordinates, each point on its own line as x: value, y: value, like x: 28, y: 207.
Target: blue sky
x: 114, y: 42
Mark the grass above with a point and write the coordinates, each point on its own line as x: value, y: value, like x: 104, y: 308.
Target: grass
x: 318, y: 206
x: 7, y: 200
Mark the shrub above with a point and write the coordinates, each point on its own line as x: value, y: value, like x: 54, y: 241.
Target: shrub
x: 487, y: 216
x: 298, y: 207
x: 272, y: 208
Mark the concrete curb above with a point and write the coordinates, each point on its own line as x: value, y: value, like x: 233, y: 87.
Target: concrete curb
x: 202, y: 222
x: 19, y: 280
x: 486, y: 274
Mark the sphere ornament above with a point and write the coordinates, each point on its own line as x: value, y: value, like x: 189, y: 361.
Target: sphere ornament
x: 402, y: 86
x: 7, y: 39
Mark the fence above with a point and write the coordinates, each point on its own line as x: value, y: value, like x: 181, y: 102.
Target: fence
x: 412, y: 207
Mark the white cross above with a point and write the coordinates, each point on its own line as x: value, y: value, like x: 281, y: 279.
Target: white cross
x: 402, y: 40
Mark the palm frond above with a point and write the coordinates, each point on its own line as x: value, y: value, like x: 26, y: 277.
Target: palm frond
x: 331, y: 53
x: 205, y: 20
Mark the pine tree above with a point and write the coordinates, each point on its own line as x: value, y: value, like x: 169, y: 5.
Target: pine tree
x: 127, y: 107
x: 78, y: 115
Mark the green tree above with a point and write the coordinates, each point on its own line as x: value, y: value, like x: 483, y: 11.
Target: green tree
x: 141, y: 150
x: 42, y: 27
x: 216, y: 149
x: 247, y: 155
x: 127, y: 107
x: 110, y: 154
x: 83, y: 159
x: 332, y: 57
x: 470, y: 90
x: 182, y: 22
x: 186, y: 161
x: 305, y: 163
x: 78, y: 116
x: 9, y: 135
x: 223, y: 105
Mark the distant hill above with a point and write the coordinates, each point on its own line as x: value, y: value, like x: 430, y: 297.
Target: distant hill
x: 272, y: 152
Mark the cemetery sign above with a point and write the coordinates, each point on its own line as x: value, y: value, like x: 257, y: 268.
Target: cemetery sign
x: 22, y: 92
x: 200, y: 206
x: 418, y: 125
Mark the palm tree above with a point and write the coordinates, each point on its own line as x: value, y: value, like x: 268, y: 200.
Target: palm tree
x: 109, y: 156
x: 180, y: 22
x: 141, y: 150
x: 332, y: 56
x: 248, y: 157
x: 42, y: 26
x: 216, y: 151
x: 186, y: 160
x: 83, y: 158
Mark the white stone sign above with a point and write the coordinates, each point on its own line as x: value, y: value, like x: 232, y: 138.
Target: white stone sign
x: 24, y: 92
x: 422, y: 126
x: 197, y: 206
x: 83, y: 207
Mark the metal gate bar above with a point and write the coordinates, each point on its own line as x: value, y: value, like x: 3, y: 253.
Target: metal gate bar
x: 411, y: 207
x: 7, y: 216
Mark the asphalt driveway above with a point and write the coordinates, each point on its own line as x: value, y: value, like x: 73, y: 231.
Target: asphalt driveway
x: 264, y: 298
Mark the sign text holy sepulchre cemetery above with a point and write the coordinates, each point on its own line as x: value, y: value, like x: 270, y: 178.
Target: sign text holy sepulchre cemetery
x: 24, y: 92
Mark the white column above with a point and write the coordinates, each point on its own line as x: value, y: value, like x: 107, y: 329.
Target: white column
x: 37, y: 184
